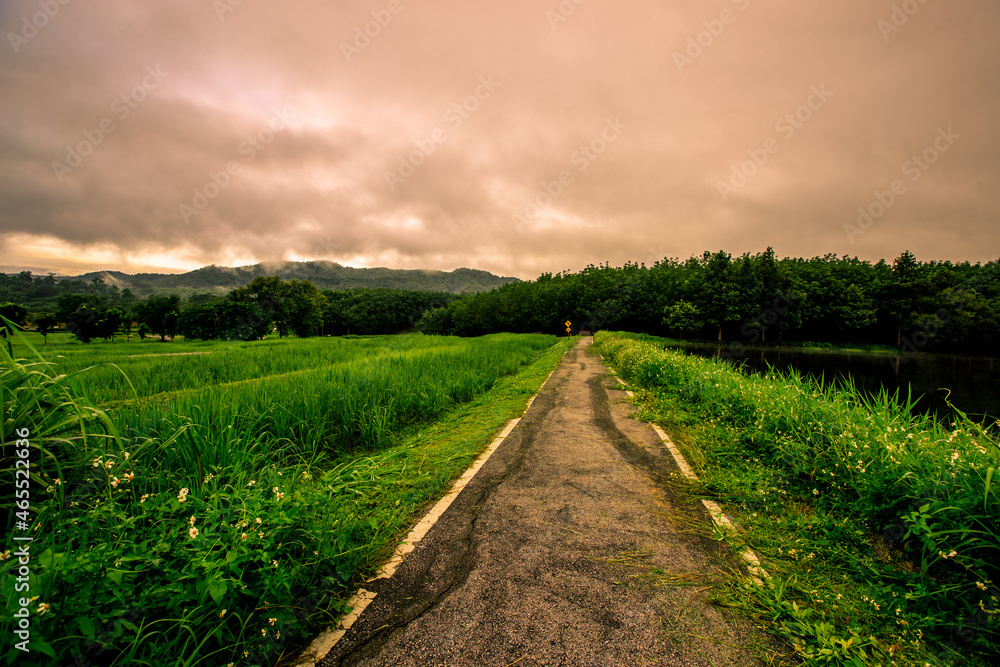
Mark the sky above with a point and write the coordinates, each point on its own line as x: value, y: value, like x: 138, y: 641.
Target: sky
x: 517, y: 137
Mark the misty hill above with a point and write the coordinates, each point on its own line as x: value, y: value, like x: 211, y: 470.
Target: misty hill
x: 323, y: 274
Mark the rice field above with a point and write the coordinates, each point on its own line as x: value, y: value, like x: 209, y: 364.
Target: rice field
x: 216, y: 508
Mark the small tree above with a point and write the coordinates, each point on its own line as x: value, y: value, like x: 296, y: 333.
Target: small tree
x: 84, y: 324
x: 304, y: 307
x: 129, y: 316
x: 158, y: 315
x: 127, y: 303
x: 242, y: 321
x: 683, y: 317
x: 269, y: 293
x: 45, y: 324
x: 198, y: 322
x: 110, y: 322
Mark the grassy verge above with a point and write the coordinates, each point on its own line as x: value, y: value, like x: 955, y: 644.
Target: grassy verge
x: 191, y: 529
x: 879, y: 528
x: 798, y: 346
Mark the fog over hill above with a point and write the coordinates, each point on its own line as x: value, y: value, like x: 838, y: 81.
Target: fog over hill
x: 323, y: 274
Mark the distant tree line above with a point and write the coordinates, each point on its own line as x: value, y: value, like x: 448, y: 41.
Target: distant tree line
x: 378, y: 311
x: 752, y: 299
x: 250, y: 312
x: 298, y: 307
x: 40, y: 293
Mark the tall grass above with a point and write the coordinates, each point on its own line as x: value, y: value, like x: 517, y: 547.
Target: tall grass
x: 850, y: 479
x: 356, y: 404
x: 115, y: 373
x: 217, y: 524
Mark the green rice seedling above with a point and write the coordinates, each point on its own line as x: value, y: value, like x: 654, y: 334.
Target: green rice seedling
x: 338, y: 407
x: 209, y: 364
x: 221, y: 524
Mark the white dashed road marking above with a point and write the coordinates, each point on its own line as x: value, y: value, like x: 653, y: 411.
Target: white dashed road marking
x: 757, y: 573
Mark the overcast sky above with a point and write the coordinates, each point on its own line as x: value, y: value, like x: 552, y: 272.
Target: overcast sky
x: 517, y: 137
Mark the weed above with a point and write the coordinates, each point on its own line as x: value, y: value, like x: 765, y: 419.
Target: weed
x: 879, y: 526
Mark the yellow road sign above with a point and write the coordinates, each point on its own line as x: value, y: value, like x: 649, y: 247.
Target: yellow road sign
x: 568, y: 323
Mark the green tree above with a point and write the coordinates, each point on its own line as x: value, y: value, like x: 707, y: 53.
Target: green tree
x: 200, y: 322
x: 436, y: 321
x: 827, y: 298
x: 109, y: 322
x: 84, y: 323
x: 304, y: 305
x: 683, y: 317
x: 158, y: 315
x: 17, y: 314
x: 241, y: 321
x: 45, y: 324
x: 902, y: 293
x: 965, y: 318
x: 202, y: 299
x: 129, y: 318
x: 127, y: 300
x: 269, y: 293
x: 771, y: 286
x: 853, y: 309
x: 719, y: 299
x: 69, y: 304
x: 225, y: 320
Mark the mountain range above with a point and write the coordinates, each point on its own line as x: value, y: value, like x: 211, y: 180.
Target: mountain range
x: 323, y: 274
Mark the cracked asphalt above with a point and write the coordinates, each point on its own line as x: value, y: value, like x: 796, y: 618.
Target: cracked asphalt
x: 562, y: 550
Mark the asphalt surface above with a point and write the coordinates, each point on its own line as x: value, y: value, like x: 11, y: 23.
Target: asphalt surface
x: 563, y: 550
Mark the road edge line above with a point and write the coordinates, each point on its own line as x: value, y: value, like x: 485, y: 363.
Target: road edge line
x: 322, y: 644
x: 757, y: 573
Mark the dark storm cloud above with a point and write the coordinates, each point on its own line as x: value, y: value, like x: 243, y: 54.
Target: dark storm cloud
x: 519, y: 137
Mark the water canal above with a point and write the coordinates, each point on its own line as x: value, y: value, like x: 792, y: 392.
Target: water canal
x: 970, y: 383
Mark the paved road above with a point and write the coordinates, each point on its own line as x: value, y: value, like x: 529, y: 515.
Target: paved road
x: 552, y: 553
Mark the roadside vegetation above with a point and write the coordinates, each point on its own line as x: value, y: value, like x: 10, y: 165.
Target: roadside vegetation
x: 220, y: 508
x: 880, y: 528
